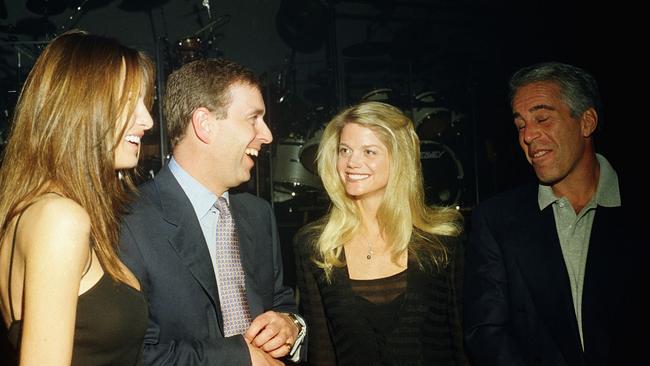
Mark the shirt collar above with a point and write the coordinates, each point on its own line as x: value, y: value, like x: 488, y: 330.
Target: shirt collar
x: 202, y: 199
x: 607, y: 192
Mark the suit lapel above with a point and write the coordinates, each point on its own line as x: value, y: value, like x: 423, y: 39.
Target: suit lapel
x: 187, y: 237
x: 604, y: 279
x: 542, y: 266
x: 247, y: 251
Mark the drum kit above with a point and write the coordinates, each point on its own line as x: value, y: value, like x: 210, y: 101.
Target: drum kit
x: 439, y: 127
x: 201, y: 43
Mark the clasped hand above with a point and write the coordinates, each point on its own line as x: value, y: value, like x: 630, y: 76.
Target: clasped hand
x: 272, y: 332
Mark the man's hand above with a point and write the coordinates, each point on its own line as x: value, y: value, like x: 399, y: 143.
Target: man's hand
x: 261, y: 358
x: 273, y: 332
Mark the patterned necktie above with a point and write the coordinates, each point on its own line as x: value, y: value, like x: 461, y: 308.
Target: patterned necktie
x: 230, y: 275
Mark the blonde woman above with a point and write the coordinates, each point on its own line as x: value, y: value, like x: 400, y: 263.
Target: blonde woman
x: 65, y: 296
x: 375, y: 275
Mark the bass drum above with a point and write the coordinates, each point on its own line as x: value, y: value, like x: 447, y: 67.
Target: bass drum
x: 431, y: 118
x: 442, y: 173
x: 379, y: 95
x: 289, y: 175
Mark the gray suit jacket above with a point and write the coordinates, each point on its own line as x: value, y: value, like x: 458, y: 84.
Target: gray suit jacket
x: 162, y: 243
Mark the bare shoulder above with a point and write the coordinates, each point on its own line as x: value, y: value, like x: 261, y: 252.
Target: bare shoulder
x: 54, y: 220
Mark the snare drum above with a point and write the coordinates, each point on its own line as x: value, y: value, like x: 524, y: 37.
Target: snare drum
x: 442, y: 173
x: 288, y: 171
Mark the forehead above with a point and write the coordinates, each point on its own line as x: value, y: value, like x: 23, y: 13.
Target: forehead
x: 355, y: 133
x: 534, y: 94
x: 245, y: 98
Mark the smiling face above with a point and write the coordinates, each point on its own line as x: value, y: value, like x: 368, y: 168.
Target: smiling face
x: 554, y: 142
x: 239, y: 137
x: 127, y: 151
x: 363, y: 162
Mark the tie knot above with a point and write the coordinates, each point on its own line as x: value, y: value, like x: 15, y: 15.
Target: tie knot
x: 221, y: 204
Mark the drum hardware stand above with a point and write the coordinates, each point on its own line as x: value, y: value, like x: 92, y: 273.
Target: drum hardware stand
x: 269, y: 121
x: 164, y: 156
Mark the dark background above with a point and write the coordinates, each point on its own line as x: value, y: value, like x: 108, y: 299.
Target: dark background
x: 445, y: 59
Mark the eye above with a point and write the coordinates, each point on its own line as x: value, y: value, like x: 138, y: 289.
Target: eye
x: 370, y: 152
x: 344, y: 151
x: 542, y: 118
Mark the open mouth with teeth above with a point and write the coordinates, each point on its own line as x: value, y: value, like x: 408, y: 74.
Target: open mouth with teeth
x: 356, y: 177
x: 133, y: 139
x: 252, y: 152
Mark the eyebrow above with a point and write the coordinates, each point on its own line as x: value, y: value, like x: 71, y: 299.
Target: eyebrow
x: 535, y: 108
x: 256, y: 112
x: 362, y: 146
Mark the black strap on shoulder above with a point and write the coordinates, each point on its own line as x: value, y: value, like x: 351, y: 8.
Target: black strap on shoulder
x: 11, y: 265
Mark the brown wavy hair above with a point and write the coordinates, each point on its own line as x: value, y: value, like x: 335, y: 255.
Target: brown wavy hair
x: 65, y: 131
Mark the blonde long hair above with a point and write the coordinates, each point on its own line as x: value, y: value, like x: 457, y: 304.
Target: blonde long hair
x: 65, y: 131
x: 405, y: 220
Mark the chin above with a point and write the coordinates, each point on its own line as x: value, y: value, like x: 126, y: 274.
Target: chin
x: 354, y: 193
x: 126, y: 164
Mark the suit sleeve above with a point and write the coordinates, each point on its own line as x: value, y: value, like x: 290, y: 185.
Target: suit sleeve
x: 321, y: 350
x: 485, y: 300
x: 283, y: 299
x: 455, y: 286
x: 189, y: 352
x: 283, y: 296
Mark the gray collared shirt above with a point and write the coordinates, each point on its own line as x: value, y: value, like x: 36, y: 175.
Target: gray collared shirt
x: 574, y: 230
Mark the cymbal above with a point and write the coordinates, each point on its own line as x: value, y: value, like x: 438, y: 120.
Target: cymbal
x: 140, y: 5
x: 46, y: 7
x: 367, y: 49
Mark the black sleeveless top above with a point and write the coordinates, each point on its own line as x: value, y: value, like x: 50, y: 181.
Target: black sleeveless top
x: 110, y: 323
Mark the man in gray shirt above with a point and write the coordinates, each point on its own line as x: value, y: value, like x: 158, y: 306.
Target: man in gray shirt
x: 553, y: 269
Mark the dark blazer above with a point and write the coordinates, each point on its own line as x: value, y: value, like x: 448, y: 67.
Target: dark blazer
x: 518, y: 308
x: 162, y: 243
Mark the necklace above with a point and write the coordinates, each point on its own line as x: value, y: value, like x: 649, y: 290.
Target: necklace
x: 369, y: 256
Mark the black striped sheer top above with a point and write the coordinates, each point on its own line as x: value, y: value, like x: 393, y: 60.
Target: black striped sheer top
x: 410, y: 318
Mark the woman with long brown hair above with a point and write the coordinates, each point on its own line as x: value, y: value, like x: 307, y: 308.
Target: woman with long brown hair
x: 65, y: 296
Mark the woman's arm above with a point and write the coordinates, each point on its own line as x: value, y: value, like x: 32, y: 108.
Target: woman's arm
x: 54, y: 240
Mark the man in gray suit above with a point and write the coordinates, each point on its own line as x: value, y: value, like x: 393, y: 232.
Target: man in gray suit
x: 214, y: 112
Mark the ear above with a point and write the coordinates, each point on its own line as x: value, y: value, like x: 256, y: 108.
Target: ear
x: 201, y: 124
x: 589, y: 122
